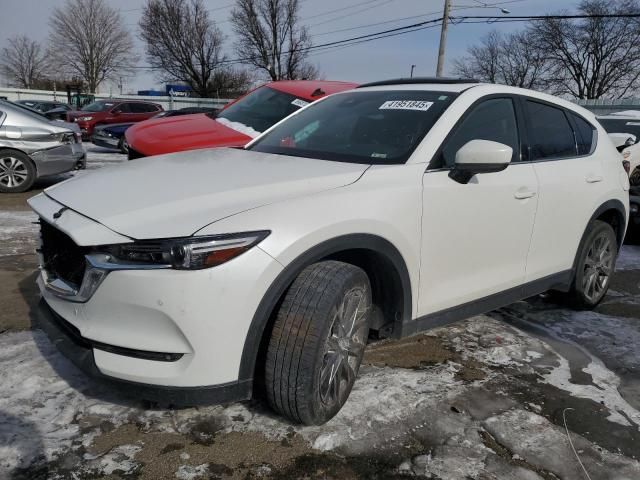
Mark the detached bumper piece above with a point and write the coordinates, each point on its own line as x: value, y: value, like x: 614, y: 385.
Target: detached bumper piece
x: 79, y: 350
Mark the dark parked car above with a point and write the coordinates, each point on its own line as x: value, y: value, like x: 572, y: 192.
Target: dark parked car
x: 51, y: 109
x: 112, y: 111
x: 44, y: 106
x: 112, y: 136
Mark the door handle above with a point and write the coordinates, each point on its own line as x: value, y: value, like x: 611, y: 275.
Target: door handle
x: 591, y: 178
x: 524, y: 193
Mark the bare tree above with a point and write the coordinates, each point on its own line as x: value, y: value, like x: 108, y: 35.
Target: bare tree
x: 230, y: 82
x: 88, y: 40
x: 23, y: 61
x: 182, y: 41
x: 512, y: 60
x: 271, y: 38
x: 594, y: 57
x: 481, y: 61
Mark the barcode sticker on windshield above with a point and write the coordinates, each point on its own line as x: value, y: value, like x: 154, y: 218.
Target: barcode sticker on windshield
x: 299, y: 103
x: 420, y: 105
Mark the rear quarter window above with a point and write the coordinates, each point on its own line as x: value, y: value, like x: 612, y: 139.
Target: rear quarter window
x: 550, y: 133
x: 585, y: 135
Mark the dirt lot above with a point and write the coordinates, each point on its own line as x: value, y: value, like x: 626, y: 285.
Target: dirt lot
x: 532, y: 391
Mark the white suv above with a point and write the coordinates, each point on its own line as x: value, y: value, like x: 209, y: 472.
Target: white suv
x: 391, y: 208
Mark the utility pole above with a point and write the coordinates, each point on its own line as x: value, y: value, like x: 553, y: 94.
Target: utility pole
x: 443, y: 37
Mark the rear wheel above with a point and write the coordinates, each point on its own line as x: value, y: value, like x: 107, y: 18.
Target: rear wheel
x: 594, y: 267
x: 17, y: 172
x: 318, y: 341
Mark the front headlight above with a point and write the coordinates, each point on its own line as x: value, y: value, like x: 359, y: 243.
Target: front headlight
x: 191, y: 253
x: 84, y: 119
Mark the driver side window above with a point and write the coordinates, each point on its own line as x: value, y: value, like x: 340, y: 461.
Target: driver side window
x: 493, y: 119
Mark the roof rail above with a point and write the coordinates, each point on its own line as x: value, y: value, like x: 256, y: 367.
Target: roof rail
x: 413, y: 80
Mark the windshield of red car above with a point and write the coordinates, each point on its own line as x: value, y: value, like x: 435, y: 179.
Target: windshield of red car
x: 261, y: 108
x: 97, y: 107
x: 373, y: 127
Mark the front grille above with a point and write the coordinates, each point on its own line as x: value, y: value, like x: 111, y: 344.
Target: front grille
x: 62, y: 258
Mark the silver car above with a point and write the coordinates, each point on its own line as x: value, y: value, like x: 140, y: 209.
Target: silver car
x: 31, y: 146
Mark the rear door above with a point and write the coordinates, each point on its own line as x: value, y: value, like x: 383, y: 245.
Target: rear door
x: 560, y: 146
x: 120, y: 113
x: 475, y: 236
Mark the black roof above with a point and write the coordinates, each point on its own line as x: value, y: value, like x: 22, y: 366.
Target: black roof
x: 413, y: 80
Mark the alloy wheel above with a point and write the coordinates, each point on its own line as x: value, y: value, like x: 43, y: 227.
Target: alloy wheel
x: 598, y: 266
x: 13, y: 172
x: 344, y: 347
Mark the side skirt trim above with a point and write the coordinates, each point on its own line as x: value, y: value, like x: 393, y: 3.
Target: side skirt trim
x: 559, y: 281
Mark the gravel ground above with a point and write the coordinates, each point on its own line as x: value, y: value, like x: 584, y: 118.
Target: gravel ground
x: 532, y: 391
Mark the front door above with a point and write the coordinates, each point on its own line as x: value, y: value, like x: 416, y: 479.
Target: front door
x: 475, y: 236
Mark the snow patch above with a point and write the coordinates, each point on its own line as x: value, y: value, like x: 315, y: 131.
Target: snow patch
x: 604, y: 389
x: 45, y: 400
x: 188, y: 472
x: 239, y: 127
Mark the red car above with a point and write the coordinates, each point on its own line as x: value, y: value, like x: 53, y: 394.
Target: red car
x: 235, y: 125
x: 112, y: 111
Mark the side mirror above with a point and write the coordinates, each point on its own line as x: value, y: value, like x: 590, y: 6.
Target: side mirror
x: 480, y: 156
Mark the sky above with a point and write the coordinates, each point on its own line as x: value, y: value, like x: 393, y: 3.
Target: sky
x: 328, y: 21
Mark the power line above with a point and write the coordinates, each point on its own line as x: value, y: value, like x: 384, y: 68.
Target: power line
x: 428, y: 14
x: 413, y: 28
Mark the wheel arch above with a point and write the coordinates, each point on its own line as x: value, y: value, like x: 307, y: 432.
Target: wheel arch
x: 614, y: 213
x: 373, y: 253
x: 35, y: 165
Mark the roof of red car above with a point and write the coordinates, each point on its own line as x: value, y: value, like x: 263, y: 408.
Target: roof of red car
x: 305, y: 88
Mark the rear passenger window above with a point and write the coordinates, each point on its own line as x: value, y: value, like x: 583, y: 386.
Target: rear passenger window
x: 584, y: 135
x: 550, y: 134
x: 494, y: 120
x: 138, y: 108
x: 123, y: 108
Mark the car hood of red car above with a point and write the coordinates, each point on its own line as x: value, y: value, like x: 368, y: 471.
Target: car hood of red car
x: 186, y: 132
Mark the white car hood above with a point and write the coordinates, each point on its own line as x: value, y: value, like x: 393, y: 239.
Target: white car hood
x: 176, y: 195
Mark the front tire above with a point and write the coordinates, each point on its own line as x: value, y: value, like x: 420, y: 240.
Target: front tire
x: 594, y: 267
x: 17, y: 172
x: 317, y: 343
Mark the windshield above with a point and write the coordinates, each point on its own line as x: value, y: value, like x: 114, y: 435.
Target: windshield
x: 261, y: 108
x: 97, y: 107
x: 381, y: 127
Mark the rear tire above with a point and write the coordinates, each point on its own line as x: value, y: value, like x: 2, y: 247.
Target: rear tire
x: 318, y: 341
x: 594, y: 267
x: 123, y: 146
x: 17, y: 172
